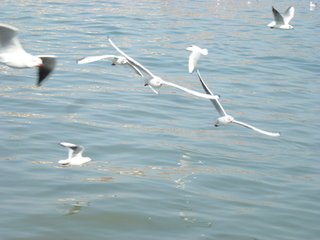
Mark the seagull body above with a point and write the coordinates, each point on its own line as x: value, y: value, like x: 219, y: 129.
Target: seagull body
x: 74, y: 155
x: 194, y: 56
x: 115, y: 60
x: 225, y: 118
x: 282, y: 21
x: 154, y: 81
x: 13, y: 55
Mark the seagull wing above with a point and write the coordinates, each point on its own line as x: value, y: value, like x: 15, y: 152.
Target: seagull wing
x: 136, y: 69
x: 95, y: 58
x: 192, y: 92
x: 74, y: 150
x: 215, y: 102
x: 277, y: 16
x: 288, y: 15
x: 271, y: 134
x: 131, y: 60
x: 48, y: 64
x: 8, y: 39
x: 152, y: 88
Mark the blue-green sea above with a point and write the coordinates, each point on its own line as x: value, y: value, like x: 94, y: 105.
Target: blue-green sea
x: 160, y: 168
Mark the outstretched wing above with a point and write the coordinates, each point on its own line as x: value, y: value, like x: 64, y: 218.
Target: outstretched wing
x: 48, y: 64
x: 192, y: 92
x: 216, y: 103
x: 8, y: 39
x: 277, y: 16
x: 91, y: 59
x: 288, y: 15
x: 136, y: 69
x: 131, y: 60
x: 271, y: 134
x: 74, y: 150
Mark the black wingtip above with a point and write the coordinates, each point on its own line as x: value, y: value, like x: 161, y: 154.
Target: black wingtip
x: 47, y: 66
x: 43, y: 73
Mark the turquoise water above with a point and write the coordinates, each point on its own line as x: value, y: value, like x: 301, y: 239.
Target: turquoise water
x: 161, y: 170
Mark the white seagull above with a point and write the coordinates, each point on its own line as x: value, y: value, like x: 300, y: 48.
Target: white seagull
x: 13, y: 55
x: 282, y: 21
x: 313, y: 5
x: 224, y: 118
x: 194, y: 56
x: 115, y: 60
x: 154, y: 81
x: 75, y: 155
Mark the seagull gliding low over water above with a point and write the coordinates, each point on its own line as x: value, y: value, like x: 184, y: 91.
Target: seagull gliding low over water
x: 224, y: 118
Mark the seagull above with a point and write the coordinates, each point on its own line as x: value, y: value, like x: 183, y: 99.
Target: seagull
x: 115, y: 60
x: 13, y: 55
x: 154, y: 81
x: 194, y: 56
x: 75, y: 155
x: 225, y: 118
x: 313, y: 5
x: 282, y: 21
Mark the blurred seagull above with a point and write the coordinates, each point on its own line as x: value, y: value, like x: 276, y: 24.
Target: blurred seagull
x: 13, y: 55
x: 194, y: 56
x: 225, y: 119
x: 313, y: 5
x: 154, y: 81
x: 282, y: 21
x: 115, y: 60
x: 75, y: 155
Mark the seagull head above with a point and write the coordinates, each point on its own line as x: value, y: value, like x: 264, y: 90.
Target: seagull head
x: 34, y: 61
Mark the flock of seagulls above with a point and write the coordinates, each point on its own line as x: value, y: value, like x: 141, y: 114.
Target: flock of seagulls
x: 12, y: 54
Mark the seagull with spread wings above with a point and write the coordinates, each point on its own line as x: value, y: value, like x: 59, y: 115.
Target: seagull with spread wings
x: 282, y: 21
x: 74, y: 155
x: 225, y: 118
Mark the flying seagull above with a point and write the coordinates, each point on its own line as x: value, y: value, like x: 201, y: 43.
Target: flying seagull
x: 313, y: 5
x: 115, y: 60
x: 13, y: 55
x: 194, y: 56
x: 75, y: 155
x: 154, y: 81
x: 282, y: 21
x: 225, y: 118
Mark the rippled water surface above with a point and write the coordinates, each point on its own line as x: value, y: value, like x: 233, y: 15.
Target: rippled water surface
x: 161, y: 170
